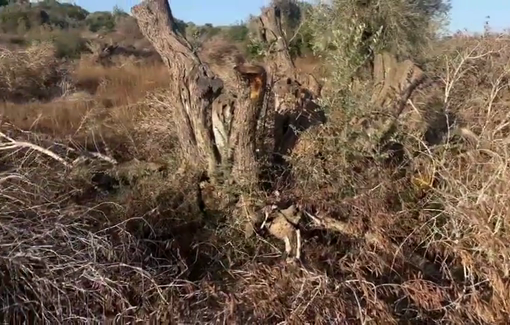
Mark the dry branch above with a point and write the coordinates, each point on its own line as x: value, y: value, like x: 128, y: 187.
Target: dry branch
x: 373, y: 238
x: 12, y: 144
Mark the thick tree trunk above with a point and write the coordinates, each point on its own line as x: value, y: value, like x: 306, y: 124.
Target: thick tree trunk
x: 205, y: 112
x: 294, y: 93
x: 193, y: 85
x: 271, y: 33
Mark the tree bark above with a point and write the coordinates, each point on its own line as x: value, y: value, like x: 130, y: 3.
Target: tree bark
x: 271, y: 33
x: 294, y: 93
x: 204, y: 110
x: 246, y: 170
x: 193, y: 85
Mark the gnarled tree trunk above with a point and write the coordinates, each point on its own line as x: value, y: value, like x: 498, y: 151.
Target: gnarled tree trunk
x: 294, y: 93
x: 271, y: 33
x: 211, y: 131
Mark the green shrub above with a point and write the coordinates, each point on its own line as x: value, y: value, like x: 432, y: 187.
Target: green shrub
x: 100, y: 20
x: 67, y: 43
x: 15, y: 18
x: 348, y: 32
x: 237, y: 33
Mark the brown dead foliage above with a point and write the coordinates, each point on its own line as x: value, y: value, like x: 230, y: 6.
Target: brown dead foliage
x: 80, y: 244
x: 31, y: 74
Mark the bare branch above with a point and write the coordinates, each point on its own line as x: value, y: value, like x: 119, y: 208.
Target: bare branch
x: 12, y: 144
x: 15, y: 144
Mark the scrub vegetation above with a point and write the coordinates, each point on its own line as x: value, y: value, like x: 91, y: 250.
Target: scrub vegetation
x: 156, y: 170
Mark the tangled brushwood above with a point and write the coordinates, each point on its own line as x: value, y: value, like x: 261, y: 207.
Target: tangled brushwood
x: 31, y: 74
x: 227, y: 183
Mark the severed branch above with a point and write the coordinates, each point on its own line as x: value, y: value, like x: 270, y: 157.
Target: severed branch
x: 14, y: 144
x: 294, y: 93
x: 328, y: 223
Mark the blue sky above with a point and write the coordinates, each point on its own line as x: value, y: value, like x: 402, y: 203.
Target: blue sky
x: 468, y: 14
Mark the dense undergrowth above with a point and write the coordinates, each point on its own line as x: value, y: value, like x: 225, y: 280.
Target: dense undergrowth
x: 82, y: 239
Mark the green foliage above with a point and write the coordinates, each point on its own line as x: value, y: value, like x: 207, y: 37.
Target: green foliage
x: 100, y: 20
x: 348, y: 32
x: 15, y: 18
x: 181, y: 26
x: 403, y: 27
x: 198, y: 34
x: 292, y: 13
x: 12, y: 17
x: 255, y: 49
x: 68, y: 43
x: 63, y: 13
x: 237, y: 33
x: 118, y: 12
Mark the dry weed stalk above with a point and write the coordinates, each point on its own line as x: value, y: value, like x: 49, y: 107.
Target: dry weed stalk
x: 470, y: 227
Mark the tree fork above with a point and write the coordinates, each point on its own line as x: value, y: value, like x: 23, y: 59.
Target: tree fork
x: 196, y: 91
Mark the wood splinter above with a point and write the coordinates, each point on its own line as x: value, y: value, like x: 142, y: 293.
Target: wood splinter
x: 283, y: 224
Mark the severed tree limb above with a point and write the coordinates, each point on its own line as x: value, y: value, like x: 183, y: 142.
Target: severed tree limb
x: 14, y: 144
x: 271, y: 33
x: 245, y: 169
x: 373, y: 238
x: 294, y: 93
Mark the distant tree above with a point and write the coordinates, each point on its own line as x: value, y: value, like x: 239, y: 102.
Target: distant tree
x: 238, y: 33
x: 100, y: 20
x: 118, y: 12
x: 181, y: 25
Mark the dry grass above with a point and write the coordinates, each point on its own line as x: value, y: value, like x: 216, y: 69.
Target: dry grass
x: 457, y: 225
x: 28, y: 74
x: 76, y: 248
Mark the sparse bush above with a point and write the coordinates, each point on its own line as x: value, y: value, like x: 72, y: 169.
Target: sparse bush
x: 17, y: 19
x: 33, y: 73
x: 69, y: 45
x: 62, y: 15
x: 237, y: 33
x: 347, y: 33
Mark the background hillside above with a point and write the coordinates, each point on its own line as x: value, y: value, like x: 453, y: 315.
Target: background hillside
x: 70, y: 27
